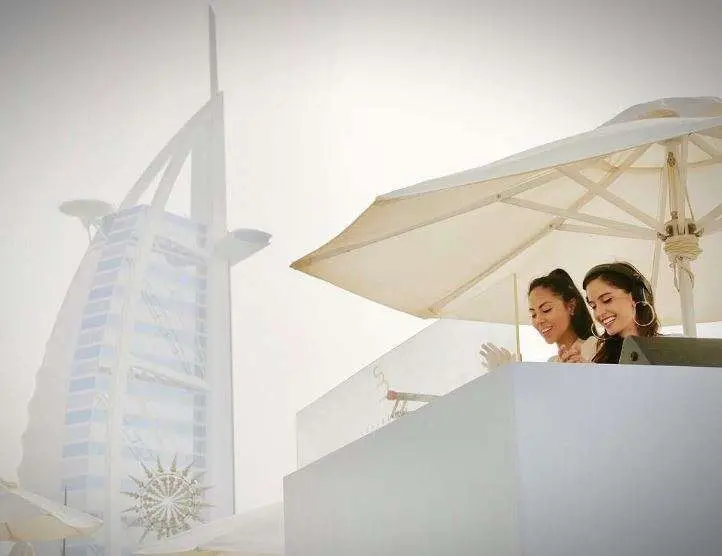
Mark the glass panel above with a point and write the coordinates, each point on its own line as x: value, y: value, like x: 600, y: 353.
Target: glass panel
x: 80, y: 416
x: 101, y: 292
x: 95, y: 307
x: 80, y: 384
x: 106, y: 277
x: 110, y: 264
x: 76, y: 449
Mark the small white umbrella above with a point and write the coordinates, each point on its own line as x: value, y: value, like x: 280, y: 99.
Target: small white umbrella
x: 644, y: 185
x: 26, y: 516
x: 258, y: 532
x: 22, y: 549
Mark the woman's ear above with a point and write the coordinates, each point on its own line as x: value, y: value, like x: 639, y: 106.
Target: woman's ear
x: 571, y: 306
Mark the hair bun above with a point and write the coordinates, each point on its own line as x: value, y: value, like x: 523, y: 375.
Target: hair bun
x: 560, y: 273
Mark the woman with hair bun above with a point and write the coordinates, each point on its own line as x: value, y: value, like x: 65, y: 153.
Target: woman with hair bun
x: 559, y: 313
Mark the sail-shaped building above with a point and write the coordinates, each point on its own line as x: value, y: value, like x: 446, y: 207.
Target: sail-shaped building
x: 132, y: 415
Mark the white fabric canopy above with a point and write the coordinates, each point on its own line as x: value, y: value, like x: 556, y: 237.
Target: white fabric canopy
x: 258, y: 532
x: 22, y: 549
x: 618, y: 192
x: 26, y: 516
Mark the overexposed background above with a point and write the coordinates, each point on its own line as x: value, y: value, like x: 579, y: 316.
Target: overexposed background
x: 329, y: 103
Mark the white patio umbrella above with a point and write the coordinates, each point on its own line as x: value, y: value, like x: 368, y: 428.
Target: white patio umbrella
x: 258, y: 532
x: 22, y: 549
x: 26, y: 516
x: 645, y: 187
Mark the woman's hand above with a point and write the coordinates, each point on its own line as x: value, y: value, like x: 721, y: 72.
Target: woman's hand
x: 572, y: 354
x: 495, y: 356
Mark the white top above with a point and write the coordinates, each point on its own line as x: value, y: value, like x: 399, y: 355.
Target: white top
x: 588, y: 348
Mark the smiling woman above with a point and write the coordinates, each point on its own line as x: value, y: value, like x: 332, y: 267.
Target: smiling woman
x: 623, y: 303
x: 559, y: 313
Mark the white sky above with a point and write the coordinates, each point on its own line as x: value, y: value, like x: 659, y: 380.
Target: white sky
x: 329, y: 103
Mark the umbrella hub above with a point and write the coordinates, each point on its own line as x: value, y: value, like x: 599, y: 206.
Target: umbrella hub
x: 684, y: 246
x: 681, y: 248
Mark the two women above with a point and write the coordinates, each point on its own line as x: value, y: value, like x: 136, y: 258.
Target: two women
x: 622, y: 302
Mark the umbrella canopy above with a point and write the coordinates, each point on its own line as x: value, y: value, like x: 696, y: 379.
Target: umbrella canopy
x: 22, y: 549
x: 26, y: 516
x: 645, y: 187
x: 255, y: 533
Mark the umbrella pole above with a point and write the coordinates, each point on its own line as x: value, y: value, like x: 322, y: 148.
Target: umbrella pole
x: 516, y: 316
x: 686, y: 295
x: 676, y: 172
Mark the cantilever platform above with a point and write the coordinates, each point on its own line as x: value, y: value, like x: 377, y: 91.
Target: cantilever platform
x: 530, y: 460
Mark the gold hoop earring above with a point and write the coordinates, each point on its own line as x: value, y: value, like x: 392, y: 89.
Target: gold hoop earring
x: 648, y: 304
x: 594, y: 333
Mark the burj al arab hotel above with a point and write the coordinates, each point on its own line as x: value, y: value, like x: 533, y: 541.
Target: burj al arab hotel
x: 132, y: 415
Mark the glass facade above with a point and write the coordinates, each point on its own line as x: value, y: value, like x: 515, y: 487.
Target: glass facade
x: 164, y: 414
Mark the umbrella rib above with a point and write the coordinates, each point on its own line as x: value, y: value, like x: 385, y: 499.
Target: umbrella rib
x: 617, y: 201
x: 709, y: 219
x: 705, y: 162
x: 645, y: 169
x: 593, y: 230
x: 631, y: 169
x: 538, y: 180
x: 11, y: 536
x: 661, y: 210
x: 704, y: 146
x: 654, y: 169
x: 574, y: 215
x: 436, y: 307
x: 714, y: 227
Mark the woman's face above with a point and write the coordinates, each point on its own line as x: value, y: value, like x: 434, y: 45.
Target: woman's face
x: 550, y: 315
x: 613, y: 307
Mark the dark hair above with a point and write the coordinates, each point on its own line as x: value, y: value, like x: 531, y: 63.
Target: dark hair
x: 561, y: 284
x: 626, y: 277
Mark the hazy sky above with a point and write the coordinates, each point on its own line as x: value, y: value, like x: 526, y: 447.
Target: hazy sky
x: 329, y: 103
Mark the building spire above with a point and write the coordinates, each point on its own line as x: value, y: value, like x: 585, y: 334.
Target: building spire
x: 212, y: 50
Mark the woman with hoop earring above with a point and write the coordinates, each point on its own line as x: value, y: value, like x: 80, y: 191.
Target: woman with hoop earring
x: 622, y: 301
